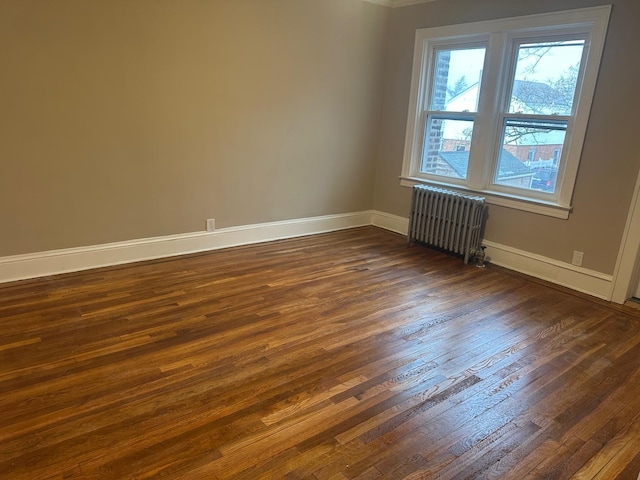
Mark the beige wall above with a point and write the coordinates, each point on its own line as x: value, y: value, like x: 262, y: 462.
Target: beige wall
x: 611, y: 156
x: 123, y: 119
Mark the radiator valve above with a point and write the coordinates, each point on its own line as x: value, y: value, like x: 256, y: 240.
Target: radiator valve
x: 479, y: 257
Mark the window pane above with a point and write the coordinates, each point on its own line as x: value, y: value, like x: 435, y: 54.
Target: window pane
x: 546, y: 77
x: 446, y: 147
x: 530, y: 154
x: 456, y: 82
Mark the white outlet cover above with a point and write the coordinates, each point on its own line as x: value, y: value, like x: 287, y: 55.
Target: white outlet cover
x: 577, y: 258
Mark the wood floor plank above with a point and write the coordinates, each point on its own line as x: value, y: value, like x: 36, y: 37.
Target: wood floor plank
x: 341, y: 356
x: 615, y: 455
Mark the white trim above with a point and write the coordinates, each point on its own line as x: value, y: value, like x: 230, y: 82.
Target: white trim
x: 406, y: 3
x: 19, y: 267
x: 398, y: 3
x: 393, y: 223
x: 498, y: 198
x: 561, y: 273
x: 626, y: 271
x: 386, y: 3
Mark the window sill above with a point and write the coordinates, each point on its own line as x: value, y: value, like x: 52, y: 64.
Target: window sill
x: 540, y: 207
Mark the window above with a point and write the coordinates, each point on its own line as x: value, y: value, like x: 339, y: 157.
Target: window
x: 500, y: 108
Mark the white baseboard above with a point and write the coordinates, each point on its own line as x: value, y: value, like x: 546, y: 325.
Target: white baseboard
x: 391, y: 222
x: 398, y: 3
x: 561, y: 273
x: 19, y: 267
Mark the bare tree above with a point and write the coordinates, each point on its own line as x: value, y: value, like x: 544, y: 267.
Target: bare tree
x: 459, y: 87
x: 553, y: 97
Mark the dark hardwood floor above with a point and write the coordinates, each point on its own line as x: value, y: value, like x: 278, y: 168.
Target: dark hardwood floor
x: 347, y: 355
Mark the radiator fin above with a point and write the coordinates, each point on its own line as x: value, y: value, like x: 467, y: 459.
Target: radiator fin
x: 446, y: 219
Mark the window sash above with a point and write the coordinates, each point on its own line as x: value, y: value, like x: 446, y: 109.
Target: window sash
x: 504, y: 157
x: 514, y: 41
x: 435, y: 50
x: 433, y: 116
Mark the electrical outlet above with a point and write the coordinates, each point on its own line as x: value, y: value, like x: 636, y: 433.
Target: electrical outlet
x: 577, y: 258
x: 211, y: 224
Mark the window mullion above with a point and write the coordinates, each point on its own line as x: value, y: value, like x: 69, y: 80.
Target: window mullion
x: 486, y: 130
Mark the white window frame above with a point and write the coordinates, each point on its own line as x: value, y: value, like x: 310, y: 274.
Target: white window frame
x: 501, y: 37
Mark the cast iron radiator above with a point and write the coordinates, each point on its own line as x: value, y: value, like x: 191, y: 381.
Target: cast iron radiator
x: 446, y: 220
